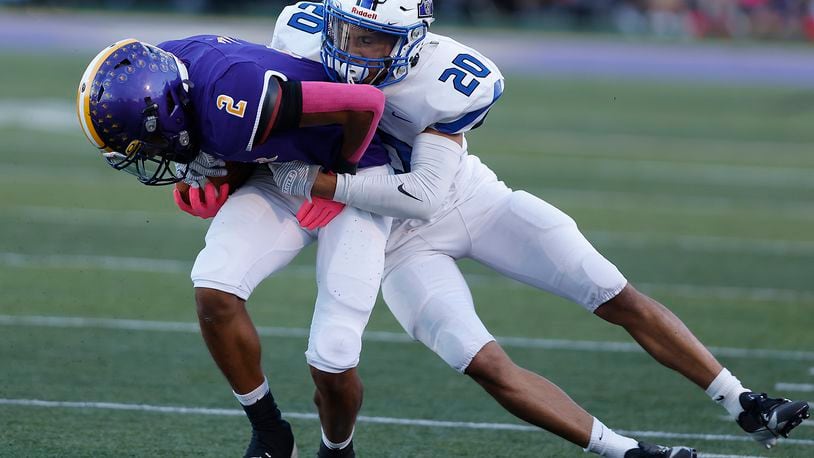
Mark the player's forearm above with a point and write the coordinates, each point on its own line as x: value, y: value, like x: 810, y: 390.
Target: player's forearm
x: 357, y: 108
x: 418, y: 194
x: 324, y: 186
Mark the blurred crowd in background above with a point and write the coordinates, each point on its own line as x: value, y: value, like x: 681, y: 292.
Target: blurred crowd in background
x: 761, y: 19
x: 673, y: 19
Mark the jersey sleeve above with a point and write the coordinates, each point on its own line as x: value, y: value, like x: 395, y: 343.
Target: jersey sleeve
x: 474, y: 115
x: 234, y: 111
x: 466, y: 85
x: 298, y: 30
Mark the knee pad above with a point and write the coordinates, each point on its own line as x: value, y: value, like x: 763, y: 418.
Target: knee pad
x: 603, y: 281
x: 458, y: 348
x: 455, y: 337
x: 334, y: 348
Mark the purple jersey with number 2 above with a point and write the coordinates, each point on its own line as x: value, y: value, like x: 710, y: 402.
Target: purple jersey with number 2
x: 229, y: 78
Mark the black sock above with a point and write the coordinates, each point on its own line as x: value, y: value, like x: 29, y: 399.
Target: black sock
x: 264, y: 415
x: 270, y: 433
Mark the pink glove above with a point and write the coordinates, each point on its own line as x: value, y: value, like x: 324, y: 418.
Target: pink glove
x: 318, y: 213
x: 214, y: 198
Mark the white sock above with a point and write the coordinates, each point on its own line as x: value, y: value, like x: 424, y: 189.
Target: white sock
x: 338, y: 446
x: 605, y: 442
x: 254, y: 395
x: 725, y: 390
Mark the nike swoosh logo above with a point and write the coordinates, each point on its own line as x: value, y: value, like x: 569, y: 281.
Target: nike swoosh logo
x: 602, y: 434
x: 396, y: 115
x: 406, y: 9
x: 401, y: 190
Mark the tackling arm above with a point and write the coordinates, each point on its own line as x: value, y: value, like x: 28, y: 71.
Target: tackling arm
x: 358, y: 108
x: 417, y: 194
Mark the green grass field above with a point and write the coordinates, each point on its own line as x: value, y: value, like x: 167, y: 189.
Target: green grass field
x: 702, y: 195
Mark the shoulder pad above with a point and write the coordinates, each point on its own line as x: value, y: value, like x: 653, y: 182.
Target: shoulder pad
x: 299, y: 30
x: 462, y: 83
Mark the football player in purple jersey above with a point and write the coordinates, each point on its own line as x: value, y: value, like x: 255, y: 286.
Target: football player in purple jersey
x: 178, y: 111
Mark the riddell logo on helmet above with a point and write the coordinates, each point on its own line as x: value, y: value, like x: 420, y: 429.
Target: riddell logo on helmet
x: 363, y: 13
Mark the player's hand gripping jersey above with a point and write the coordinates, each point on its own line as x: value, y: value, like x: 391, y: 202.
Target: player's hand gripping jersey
x: 450, y: 89
x: 230, y: 80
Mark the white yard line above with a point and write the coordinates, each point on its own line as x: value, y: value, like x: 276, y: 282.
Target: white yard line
x: 676, y: 204
x: 715, y: 455
x: 698, y: 243
x: 597, y: 142
x: 721, y: 175
x: 130, y: 264
x: 703, y: 243
x: 798, y: 387
x: 56, y: 114
x: 40, y: 115
x: 148, y: 265
x: 369, y: 419
x: 384, y: 336
x: 732, y: 293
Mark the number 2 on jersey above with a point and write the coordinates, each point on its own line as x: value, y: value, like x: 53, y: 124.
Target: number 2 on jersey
x: 466, y: 65
x: 308, y: 21
x: 235, y: 109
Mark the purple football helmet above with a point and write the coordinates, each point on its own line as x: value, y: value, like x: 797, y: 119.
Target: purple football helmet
x: 133, y: 105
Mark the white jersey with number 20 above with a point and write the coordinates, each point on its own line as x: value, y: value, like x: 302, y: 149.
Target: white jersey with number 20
x: 451, y: 88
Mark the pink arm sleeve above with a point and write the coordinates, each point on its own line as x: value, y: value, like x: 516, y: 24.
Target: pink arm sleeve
x: 320, y: 97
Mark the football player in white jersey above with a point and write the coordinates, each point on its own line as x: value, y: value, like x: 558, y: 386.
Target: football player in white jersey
x: 449, y: 205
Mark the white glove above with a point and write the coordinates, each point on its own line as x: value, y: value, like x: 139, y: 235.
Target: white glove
x: 204, y: 165
x: 295, y: 178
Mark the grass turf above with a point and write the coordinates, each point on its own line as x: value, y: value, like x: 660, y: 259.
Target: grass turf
x: 637, y: 165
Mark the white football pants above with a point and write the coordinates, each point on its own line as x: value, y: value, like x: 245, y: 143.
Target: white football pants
x: 514, y: 233
x: 255, y: 234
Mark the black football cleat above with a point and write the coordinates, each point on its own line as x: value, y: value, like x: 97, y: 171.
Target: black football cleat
x: 325, y: 452
x: 646, y: 450
x: 263, y: 445
x: 766, y: 419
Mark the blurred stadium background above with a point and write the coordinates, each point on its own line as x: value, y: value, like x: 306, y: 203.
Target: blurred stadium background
x: 677, y: 133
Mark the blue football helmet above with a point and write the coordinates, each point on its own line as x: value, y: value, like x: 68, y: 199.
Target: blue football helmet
x: 349, y: 24
x: 133, y: 105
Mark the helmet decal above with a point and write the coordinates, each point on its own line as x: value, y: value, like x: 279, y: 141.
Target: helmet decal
x: 425, y: 8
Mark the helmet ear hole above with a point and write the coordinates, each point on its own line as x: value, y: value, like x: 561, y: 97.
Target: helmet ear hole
x: 100, y: 94
x: 170, y: 102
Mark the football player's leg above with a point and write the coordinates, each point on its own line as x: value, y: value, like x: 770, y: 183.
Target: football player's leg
x: 431, y: 300
x: 662, y: 334
x: 429, y: 297
x: 350, y: 259
x: 669, y: 341
x: 531, y: 241
x: 254, y: 235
